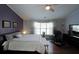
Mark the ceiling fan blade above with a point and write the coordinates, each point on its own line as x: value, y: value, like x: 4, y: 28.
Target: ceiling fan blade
x: 51, y: 5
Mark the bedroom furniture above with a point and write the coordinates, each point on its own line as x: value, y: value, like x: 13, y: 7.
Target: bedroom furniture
x: 72, y: 40
x: 26, y: 43
x: 46, y: 49
x: 49, y: 37
x: 58, y: 38
x: 18, y: 52
x: 43, y: 34
x: 2, y: 40
x: 73, y: 35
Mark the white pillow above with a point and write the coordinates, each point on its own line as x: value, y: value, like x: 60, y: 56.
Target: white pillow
x: 19, y: 35
x: 4, y: 43
x: 9, y: 37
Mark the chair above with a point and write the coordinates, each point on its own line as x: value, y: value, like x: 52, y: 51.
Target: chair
x: 58, y: 38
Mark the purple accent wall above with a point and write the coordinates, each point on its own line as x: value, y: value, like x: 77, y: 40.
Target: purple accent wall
x: 7, y: 14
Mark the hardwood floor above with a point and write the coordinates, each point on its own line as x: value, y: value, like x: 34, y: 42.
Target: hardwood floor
x: 54, y: 49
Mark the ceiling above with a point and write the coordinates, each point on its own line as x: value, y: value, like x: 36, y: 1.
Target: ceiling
x: 37, y: 11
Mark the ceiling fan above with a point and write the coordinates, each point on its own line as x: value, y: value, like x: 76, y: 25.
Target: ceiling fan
x: 49, y: 7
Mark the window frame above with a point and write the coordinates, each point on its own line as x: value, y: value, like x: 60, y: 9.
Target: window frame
x: 51, y: 28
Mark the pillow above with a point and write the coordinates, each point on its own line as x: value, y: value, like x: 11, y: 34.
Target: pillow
x: 4, y: 43
x: 14, y: 36
x: 19, y: 35
x: 9, y: 37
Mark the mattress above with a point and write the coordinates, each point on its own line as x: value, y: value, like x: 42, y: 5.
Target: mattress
x: 32, y: 37
x: 27, y: 43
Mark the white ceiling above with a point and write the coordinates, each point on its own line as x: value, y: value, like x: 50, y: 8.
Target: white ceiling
x: 37, y: 11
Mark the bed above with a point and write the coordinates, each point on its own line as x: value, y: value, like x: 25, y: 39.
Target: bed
x: 27, y: 43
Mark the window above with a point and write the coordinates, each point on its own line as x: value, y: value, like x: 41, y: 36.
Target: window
x: 39, y: 28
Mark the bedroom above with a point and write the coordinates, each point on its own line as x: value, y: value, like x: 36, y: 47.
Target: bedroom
x: 23, y: 25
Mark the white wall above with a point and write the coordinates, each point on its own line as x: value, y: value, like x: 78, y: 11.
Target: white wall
x: 59, y: 25
x: 28, y: 26
x: 72, y: 19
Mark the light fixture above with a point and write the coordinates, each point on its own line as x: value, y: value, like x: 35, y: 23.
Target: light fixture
x: 47, y: 7
x: 24, y: 32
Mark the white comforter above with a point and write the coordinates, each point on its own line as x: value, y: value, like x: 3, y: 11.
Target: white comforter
x: 32, y: 37
x: 28, y: 43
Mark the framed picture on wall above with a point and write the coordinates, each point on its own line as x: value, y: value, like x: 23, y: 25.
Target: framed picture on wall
x: 15, y: 24
x: 6, y: 24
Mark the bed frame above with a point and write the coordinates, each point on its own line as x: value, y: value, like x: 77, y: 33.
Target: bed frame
x: 3, y: 39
